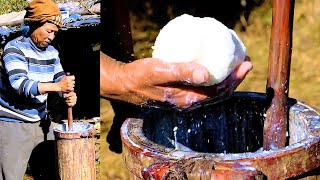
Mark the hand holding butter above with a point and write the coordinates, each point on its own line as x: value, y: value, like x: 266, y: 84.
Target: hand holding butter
x: 202, y: 40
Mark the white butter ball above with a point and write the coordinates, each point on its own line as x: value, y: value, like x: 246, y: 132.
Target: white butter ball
x: 202, y: 40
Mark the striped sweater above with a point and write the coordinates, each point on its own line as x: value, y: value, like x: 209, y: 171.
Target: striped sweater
x: 23, y: 66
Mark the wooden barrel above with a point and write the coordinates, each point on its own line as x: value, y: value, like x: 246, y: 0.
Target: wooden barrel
x: 221, y: 141
x: 75, y: 151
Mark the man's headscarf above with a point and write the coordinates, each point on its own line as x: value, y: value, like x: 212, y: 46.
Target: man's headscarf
x: 41, y: 11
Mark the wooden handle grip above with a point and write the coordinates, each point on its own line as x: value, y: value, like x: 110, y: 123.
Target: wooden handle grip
x: 70, y: 116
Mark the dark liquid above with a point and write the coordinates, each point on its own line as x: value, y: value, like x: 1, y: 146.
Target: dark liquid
x: 231, y: 126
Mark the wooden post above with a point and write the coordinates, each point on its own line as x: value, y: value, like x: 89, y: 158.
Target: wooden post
x: 275, y: 124
x: 75, y: 154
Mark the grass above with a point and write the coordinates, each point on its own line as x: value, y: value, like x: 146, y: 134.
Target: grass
x: 7, y: 6
x: 304, y: 77
x: 112, y: 166
x: 12, y: 6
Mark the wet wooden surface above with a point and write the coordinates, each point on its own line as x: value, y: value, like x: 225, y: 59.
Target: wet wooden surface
x: 278, y: 75
x: 77, y: 153
x: 76, y: 159
x: 145, y: 158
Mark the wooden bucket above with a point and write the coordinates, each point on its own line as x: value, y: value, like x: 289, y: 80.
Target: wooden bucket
x: 221, y: 141
x: 75, y: 151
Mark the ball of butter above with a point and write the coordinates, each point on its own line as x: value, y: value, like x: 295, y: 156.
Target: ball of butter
x: 202, y: 40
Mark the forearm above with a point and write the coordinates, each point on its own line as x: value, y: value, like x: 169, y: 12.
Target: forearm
x: 111, y: 77
x: 44, y: 88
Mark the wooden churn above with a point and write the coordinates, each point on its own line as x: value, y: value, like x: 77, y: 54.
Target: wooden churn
x: 221, y: 141
x: 75, y: 151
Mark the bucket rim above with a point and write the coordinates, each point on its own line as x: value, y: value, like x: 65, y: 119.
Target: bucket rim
x: 134, y: 141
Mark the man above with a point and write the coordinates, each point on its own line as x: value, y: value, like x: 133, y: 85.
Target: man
x: 30, y: 70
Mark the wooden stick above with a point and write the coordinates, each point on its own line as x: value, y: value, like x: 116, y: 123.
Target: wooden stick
x: 275, y: 125
x: 70, y: 119
x: 70, y: 116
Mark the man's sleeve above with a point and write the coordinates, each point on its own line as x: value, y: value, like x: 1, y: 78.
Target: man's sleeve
x: 16, y: 67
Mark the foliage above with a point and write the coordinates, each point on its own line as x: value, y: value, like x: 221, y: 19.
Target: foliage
x: 7, y: 6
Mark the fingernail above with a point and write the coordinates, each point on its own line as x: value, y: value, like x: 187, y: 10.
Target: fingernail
x: 250, y: 67
x: 199, y: 76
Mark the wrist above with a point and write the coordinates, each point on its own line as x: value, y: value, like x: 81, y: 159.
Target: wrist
x: 57, y: 86
x: 119, y: 77
x: 112, y: 76
x: 44, y: 88
x: 137, y: 75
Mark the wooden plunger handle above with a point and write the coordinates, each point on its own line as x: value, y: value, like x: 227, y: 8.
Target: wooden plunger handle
x: 70, y: 116
x: 275, y: 125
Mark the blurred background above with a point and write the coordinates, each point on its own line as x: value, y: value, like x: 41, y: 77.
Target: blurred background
x: 251, y: 19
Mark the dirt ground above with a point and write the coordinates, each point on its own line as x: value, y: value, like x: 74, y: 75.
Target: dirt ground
x: 112, y: 166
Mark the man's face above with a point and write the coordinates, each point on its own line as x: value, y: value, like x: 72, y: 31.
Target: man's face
x: 44, y: 35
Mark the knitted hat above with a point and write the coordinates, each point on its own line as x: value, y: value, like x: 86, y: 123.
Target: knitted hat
x: 41, y: 11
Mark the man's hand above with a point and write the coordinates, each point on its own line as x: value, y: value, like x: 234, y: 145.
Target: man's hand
x: 70, y: 98
x: 66, y: 84
x: 185, y: 96
x: 152, y: 79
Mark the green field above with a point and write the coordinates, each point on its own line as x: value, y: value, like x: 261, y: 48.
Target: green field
x: 304, y: 77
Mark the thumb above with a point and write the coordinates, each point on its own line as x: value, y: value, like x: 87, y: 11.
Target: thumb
x: 192, y: 73
x: 188, y: 72
x: 243, y: 69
